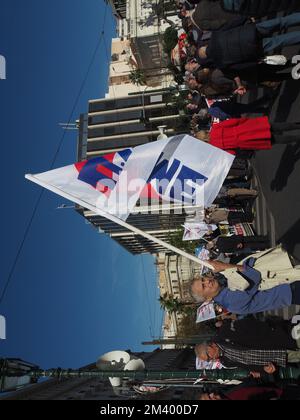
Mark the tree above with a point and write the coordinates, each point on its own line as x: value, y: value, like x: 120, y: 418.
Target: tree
x: 177, y: 100
x: 188, y: 327
x: 174, y: 305
x: 137, y: 77
x: 170, y: 39
x: 177, y: 74
x: 188, y: 246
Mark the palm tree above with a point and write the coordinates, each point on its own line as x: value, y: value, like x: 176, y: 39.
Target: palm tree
x: 137, y: 77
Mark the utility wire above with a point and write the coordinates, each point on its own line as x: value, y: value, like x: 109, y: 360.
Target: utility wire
x: 147, y: 294
x: 40, y: 196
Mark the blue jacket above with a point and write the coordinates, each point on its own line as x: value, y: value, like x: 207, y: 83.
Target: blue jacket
x: 252, y: 300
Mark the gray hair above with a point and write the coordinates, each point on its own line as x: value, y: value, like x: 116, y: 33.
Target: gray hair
x: 203, y: 113
x: 193, y: 295
x: 204, y: 343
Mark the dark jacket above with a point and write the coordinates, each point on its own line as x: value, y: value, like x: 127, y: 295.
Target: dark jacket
x: 215, y: 83
x: 209, y: 15
x: 260, y: 8
x: 250, y: 334
x: 253, y: 334
x: 236, y: 46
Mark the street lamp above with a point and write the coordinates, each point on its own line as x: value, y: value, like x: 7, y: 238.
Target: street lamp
x: 143, y: 99
x: 69, y: 126
x: 162, y: 135
x: 64, y: 206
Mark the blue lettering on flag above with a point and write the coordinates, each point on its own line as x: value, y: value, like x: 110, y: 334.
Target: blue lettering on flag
x: 164, y: 175
x: 100, y: 169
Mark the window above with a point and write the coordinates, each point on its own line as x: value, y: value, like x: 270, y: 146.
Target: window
x: 156, y: 99
x: 115, y: 57
x: 117, y: 116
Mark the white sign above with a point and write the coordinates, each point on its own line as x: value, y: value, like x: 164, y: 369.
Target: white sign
x: 202, y: 253
x: 206, y: 312
x: 202, y: 365
x: 196, y: 231
x: 2, y: 328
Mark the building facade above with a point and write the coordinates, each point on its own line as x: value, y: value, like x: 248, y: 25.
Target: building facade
x: 124, y: 65
x: 175, y: 273
x: 143, y: 23
x: 132, y: 114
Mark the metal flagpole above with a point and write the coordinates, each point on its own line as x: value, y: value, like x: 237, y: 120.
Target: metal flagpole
x: 117, y: 221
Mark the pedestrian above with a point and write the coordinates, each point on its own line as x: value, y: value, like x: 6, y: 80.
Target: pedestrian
x: 247, y: 45
x: 240, y: 170
x: 216, y: 79
x: 250, y: 134
x: 224, y: 110
x: 259, y: 360
x: 237, y: 194
x: 275, y: 266
x: 252, y: 390
x: 216, y: 215
x: 210, y: 16
x: 254, y: 334
x: 265, y: 283
x: 237, y: 244
x: 259, y: 8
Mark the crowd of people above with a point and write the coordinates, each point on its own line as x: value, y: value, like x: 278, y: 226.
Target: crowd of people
x: 232, y: 47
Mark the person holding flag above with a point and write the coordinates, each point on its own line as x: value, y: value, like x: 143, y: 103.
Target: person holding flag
x: 263, y: 282
x: 250, y: 134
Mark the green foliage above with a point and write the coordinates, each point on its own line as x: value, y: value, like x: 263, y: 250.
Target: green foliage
x: 137, y: 77
x: 170, y: 39
x: 177, y: 74
x: 176, y: 240
x: 188, y: 328
x: 174, y: 305
x: 178, y: 100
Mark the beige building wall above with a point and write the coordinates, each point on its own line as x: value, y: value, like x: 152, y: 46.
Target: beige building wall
x: 122, y: 64
x: 140, y: 23
x: 175, y: 273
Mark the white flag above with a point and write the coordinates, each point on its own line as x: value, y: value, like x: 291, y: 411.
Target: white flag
x: 196, y: 231
x: 178, y: 170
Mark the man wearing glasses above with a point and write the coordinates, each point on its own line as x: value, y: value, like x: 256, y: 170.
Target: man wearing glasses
x: 252, y: 273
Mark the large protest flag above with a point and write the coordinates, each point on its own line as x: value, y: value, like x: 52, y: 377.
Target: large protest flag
x: 178, y: 170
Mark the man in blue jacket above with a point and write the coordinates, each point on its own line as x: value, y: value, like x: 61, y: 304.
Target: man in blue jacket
x: 251, y: 301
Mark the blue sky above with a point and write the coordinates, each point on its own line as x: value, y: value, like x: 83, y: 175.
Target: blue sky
x: 75, y: 294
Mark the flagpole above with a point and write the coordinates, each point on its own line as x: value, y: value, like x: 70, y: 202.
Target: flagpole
x: 117, y: 221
